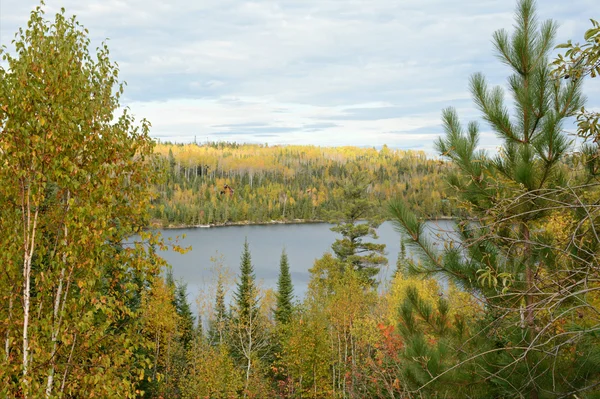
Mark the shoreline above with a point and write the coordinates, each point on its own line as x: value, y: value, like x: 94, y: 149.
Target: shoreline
x: 265, y: 223
x: 241, y: 223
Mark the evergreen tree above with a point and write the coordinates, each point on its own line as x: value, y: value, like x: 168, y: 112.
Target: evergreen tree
x: 170, y: 282
x: 199, y: 329
x: 419, y: 319
x: 246, y: 303
x: 186, y: 321
x: 174, y: 359
x: 512, y: 257
x: 218, y: 326
x: 186, y: 318
x: 400, y: 262
x: 285, y: 292
x: 355, y: 221
x: 249, y: 340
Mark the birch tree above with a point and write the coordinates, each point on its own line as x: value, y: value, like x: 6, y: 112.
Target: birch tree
x: 75, y: 178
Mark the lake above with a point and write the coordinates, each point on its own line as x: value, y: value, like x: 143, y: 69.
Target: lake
x: 303, y: 243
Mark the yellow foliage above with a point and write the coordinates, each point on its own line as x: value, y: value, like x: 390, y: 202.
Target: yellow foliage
x: 461, y: 303
x: 429, y: 290
x: 559, y: 226
x: 211, y: 373
x: 158, y: 311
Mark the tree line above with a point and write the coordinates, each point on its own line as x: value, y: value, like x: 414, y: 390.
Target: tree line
x: 216, y: 183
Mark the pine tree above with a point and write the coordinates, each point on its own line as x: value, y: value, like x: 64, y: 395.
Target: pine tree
x: 422, y: 358
x: 285, y: 292
x: 508, y: 256
x: 355, y: 221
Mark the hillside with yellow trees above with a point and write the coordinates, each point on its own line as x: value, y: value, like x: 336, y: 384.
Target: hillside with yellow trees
x: 218, y: 183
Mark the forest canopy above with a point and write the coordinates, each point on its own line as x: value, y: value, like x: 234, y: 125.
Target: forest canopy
x: 217, y: 183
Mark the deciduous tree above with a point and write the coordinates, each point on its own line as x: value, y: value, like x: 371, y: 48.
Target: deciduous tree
x: 76, y: 176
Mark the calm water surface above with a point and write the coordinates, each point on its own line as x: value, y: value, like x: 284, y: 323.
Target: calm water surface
x: 303, y: 243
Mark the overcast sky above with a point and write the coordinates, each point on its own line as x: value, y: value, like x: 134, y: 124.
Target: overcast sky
x: 325, y: 72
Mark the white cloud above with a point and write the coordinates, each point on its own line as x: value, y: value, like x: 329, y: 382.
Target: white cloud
x: 287, y: 64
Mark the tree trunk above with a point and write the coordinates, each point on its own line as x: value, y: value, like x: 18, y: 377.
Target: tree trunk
x: 55, y: 331
x: 66, y: 372
x: 529, y: 300
x: 57, y: 319
x: 7, y: 341
x: 29, y: 231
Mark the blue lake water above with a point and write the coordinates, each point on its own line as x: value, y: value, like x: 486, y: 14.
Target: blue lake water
x: 304, y: 243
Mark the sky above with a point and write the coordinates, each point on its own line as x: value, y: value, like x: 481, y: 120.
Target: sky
x: 322, y: 72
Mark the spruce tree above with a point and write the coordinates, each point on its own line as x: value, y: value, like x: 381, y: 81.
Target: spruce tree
x: 218, y: 326
x: 186, y: 318
x: 285, y: 292
x: 170, y: 281
x: 401, y: 258
x: 179, y: 300
x: 508, y: 256
x: 249, y: 342
x: 246, y: 303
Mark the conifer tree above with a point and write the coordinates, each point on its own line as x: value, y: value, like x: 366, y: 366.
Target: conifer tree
x: 422, y: 358
x: 401, y: 258
x: 170, y: 281
x: 508, y: 256
x: 249, y: 340
x: 173, y: 359
x: 186, y: 321
x: 355, y: 221
x: 186, y: 318
x: 246, y: 303
x: 285, y: 292
x: 218, y: 327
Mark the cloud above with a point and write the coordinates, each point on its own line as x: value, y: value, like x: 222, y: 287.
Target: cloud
x: 259, y: 130
x: 241, y: 125
x: 308, y: 71
x: 319, y: 127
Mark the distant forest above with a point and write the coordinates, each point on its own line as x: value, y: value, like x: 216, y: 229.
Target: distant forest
x: 217, y: 183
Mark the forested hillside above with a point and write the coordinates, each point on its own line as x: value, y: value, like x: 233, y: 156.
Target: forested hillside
x: 229, y: 182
